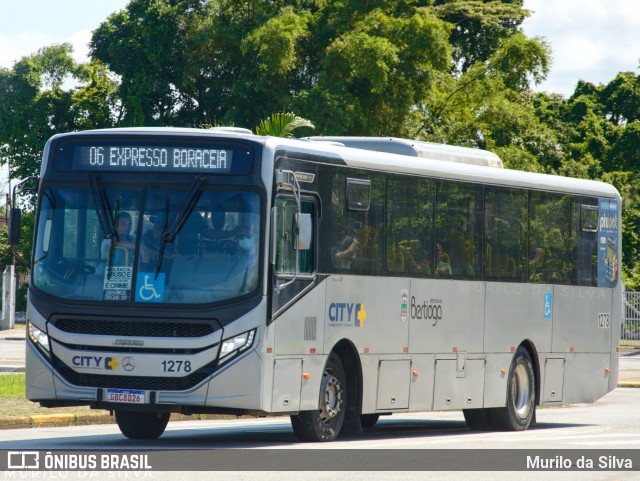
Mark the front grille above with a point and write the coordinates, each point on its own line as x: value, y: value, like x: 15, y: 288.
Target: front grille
x: 133, y: 382
x: 134, y: 328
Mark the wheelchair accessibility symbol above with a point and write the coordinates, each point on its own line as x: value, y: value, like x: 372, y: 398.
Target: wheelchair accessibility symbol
x: 548, y: 305
x: 148, y: 288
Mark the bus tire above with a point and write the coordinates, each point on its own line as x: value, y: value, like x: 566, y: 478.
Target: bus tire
x: 369, y: 420
x: 141, y: 425
x: 324, y: 424
x: 521, y: 395
x: 477, y: 419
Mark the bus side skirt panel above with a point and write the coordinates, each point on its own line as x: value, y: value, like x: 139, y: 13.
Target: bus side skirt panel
x: 495, y: 381
x: 585, y: 378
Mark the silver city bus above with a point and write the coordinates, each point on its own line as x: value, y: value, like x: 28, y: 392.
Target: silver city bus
x: 214, y: 271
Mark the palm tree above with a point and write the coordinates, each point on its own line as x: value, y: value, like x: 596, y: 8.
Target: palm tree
x: 282, y: 124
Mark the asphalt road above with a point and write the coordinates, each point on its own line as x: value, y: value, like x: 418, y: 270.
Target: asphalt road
x: 613, y: 422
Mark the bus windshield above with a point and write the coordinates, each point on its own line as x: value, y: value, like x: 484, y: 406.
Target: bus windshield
x: 170, y: 245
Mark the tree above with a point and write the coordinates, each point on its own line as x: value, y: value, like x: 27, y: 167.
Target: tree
x: 480, y: 27
x: 282, y: 125
x: 34, y: 104
x: 375, y: 70
x: 193, y: 62
x: 359, y: 68
x: 620, y: 98
x: 491, y: 106
x: 149, y: 46
x: 22, y: 252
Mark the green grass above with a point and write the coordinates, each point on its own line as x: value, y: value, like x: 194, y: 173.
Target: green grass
x: 13, y: 400
x: 12, y: 386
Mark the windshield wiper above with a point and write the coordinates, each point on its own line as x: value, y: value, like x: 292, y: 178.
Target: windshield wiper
x: 169, y: 233
x: 163, y: 241
x: 104, y: 217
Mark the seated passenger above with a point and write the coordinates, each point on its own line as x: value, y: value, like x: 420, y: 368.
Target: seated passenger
x: 124, y: 240
x: 443, y: 264
x: 345, y: 252
x: 555, y: 278
x: 395, y: 258
x: 413, y: 255
x: 537, y: 265
x: 504, y: 266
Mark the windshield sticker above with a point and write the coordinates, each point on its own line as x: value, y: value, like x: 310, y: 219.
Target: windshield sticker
x: 149, y: 288
x: 117, y: 283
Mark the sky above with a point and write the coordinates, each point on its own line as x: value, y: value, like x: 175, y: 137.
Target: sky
x: 591, y: 40
x: 28, y: 25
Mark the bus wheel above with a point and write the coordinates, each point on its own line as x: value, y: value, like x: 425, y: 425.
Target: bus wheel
x: 325, y: 423
x: 477, y: 419
x: 521, y: 395
x: 369, y: 420
x: 141, y: 425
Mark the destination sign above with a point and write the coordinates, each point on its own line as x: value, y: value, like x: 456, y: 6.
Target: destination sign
x: 154, y: 157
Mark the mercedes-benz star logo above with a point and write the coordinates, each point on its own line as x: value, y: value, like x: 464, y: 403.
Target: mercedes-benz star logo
x: 128, y: 364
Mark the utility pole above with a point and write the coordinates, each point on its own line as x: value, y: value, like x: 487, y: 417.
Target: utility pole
x: 9, y: 280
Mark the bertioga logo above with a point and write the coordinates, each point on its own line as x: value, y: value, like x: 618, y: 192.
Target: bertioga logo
x: 347, y: 313
x: 431, y: 310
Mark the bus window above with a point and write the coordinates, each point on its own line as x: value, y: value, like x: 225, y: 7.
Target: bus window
x: 352, y: 237
x: 505, y: 234
x: 459, y: 227
x: 587, y: 261
x: 552, y: 238
x: 409, y: 227
x: 78, y: 259
x: 358, y: 194
x: 285, y: 254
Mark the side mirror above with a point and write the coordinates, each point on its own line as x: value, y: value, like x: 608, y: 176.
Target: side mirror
x: 15, y: 219
x: 305, y: 231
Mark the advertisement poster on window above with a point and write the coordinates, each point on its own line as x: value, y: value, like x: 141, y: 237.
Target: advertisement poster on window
x: 607, y: 243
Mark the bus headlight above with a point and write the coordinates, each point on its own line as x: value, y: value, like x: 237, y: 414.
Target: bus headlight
x: 236, y: 345
x: 39, y: 338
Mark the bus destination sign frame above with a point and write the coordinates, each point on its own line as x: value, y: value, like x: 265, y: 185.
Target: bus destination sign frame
x: 146, y: 155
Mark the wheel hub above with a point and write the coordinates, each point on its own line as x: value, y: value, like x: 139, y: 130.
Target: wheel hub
x: 521, y: 391
x: 330, y: 398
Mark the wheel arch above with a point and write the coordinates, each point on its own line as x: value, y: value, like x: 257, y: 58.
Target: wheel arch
x: 535, y: 360
x: 352, y: 366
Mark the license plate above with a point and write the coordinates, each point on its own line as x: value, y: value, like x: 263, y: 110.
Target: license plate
x: 125, y: 396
